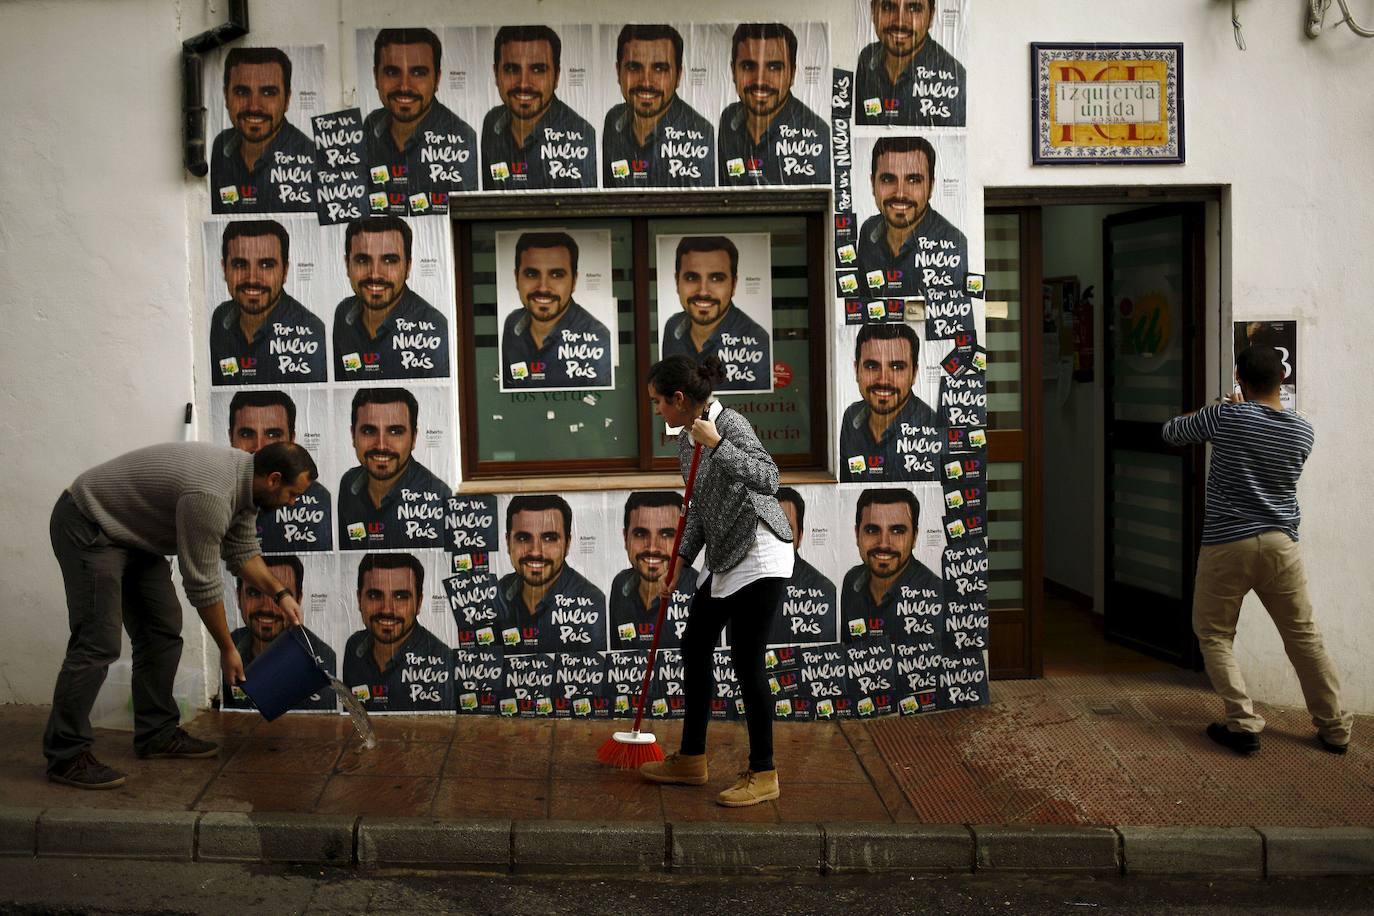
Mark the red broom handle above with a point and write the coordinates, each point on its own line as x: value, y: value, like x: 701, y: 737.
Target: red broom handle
x: 663, y: 599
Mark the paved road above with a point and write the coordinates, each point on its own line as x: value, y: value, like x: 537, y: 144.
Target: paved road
x: 32, y: 886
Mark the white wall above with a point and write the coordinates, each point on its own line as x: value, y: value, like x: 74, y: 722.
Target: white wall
x: 96, y: 241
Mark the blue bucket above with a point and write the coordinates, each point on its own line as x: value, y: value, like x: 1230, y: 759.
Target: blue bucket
x: 283, y: 675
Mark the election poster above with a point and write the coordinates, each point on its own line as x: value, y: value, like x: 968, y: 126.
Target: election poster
x: 260, y: 101
x: 250, y: 418
x: 341, y: 175
x: 419, y: 142
x: 649, y: 525
x: 772, y: 86
x: 395, y: 452
x: 579, y: 686
x: 556, y: 309
x: 470, y: 531
x: 256, y: 621
x: 910, y: 202
x: 264, y: 292
x: 625, y: 670
x: 392, y: 619
x: 550, y: 596
x: 390, y: 283
x: 910, y: 68
x: 529, y: 688
x: 472, y: 602
x: 660, y: 89
x: 715, y: 296
x: 1283, y: 337
x: 809, y: 611
x: 478, y: 680
x: 535, y: 96
x: 891, y: 427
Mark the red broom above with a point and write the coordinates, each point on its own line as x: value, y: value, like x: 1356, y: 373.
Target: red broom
x: 631, y: 750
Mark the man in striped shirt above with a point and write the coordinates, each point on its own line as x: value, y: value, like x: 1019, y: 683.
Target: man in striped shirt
x: 1250, y: 542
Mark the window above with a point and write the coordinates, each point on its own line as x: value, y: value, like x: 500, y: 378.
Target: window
x: 526, y: 409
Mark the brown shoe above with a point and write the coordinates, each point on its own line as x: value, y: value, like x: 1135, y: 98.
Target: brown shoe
x: 751, y: 789
x: 180, y: 744
x: 677, y: 769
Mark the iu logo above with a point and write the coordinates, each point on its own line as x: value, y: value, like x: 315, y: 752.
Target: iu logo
x: 375, y: 527
x: 519, y: 168
x: 400, y: 171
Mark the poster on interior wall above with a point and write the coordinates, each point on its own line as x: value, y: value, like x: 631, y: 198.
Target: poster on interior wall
x: 895, y: 590
x: 393, y: 288
x: 910, y: 200
x: 1283, y: 337
x: 1106, y: 104
x: 556, y: 309
x: 909, y: 71
x: 649, y: 524
x: 660, y: 91
x: 550, y: 600
x: 724, y: 287
x: 541, y: 97
x: 262, y: 159
x: 262, y: 283
x: 396, y: 451
x: 398, y: 647
x: 256, y: 621
x: 889, y: 380
x: 340, y: 173
x: 773, y: 86
x: 417, y: 148
x: 248, y: 419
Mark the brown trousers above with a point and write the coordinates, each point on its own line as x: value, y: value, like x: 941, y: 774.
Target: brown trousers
x: 1270, y: 564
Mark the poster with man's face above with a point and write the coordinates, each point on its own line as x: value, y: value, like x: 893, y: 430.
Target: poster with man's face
x: 892, y: 428
x: 649, y: 526
x: 250, y: 418
x: 256, y: 621
x: 419, y: 136
x: 722, y: 287
x: 262, y: 158
x: 396, y: 451
x: 388, y: 282
x: 909, y: 71
x: 809, y: 612
x: 556, y: 309
x: 660, y: 94
x: 910, y: 202
x: 265, y: 295
x: 540, y: 130
x: 1283, y: 337
x: 773, y: 124
x: 397, y: 654
x: 894, y: 589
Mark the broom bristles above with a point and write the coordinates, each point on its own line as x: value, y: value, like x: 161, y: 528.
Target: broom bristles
x: 628, y: 756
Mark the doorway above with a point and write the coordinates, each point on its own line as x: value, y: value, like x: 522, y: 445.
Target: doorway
x: 1111, y: 313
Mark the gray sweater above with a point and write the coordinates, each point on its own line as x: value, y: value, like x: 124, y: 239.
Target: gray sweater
x: 734, y: 491
x: 191, y: 499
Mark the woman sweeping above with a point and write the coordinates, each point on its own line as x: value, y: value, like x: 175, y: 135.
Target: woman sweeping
x: 749, y: 551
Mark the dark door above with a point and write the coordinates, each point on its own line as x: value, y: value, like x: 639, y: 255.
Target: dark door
x: 1153, y: 358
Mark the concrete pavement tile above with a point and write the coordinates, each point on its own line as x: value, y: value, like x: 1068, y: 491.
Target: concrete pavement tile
x: 285, y: 755
x: 616, y: 795
x: 393, y: 758
x: 813, y: 802
x: 493, y: 755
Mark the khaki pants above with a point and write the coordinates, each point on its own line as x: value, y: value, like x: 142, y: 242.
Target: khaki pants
x: 1269, y: 564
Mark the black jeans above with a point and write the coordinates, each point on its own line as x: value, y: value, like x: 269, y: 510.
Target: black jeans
x: 108, y: 585
x: 749, y: 612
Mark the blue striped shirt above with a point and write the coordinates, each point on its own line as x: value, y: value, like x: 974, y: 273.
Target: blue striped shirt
x: 1257, y: 457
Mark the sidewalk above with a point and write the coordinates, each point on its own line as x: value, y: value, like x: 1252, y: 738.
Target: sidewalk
x: 1119, y: 750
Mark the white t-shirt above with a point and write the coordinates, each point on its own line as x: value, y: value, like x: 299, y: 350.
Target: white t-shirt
x: 770, y: 556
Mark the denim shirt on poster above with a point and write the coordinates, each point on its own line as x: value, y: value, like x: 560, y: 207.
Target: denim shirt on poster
x: 560, y: 151
x: 439, y: 155
x: 935, y: 255
x: 571, y: 617
x: 861, y: 616
x: 411, y: 513
x: 678, y: 153
x: 794, y: 148
x: 279, y: 182
x: 929, y: 92
x: 741, y: 343
x: 234, y: 697
x: 632, y: 621
x: 411, y: 343
x: 307, y: 524
x: 417, y: 678
x: 575, y: 354
x: 289, y: 346
x: 910, y: 447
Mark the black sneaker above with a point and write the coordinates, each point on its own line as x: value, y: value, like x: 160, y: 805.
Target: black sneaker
x: 85, y: 772
x: 1331, y: 748
x: 180, y: 744
x: 1243, y: 743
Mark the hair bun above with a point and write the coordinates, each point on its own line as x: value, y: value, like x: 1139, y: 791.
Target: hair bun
x: 712, y: 370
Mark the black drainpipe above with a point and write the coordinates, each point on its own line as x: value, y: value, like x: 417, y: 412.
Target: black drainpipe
x: 192, y: 82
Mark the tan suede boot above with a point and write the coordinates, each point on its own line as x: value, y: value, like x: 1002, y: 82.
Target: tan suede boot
x: 751, y: 789
x: 677, y: 769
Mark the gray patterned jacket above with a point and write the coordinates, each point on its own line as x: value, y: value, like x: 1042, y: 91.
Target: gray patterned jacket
x: 734, y: 491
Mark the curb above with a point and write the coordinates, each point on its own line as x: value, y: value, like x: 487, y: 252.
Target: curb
x: 499, y: 845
